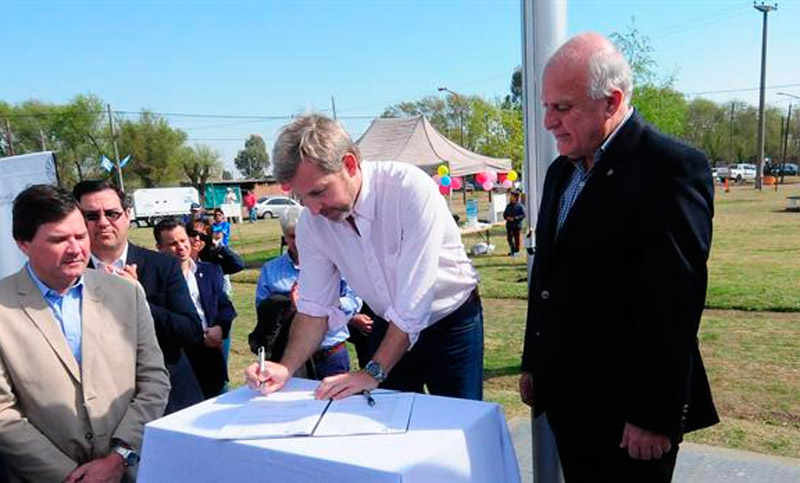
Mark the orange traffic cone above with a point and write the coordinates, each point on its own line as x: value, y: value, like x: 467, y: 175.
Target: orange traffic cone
x: 726, y: 185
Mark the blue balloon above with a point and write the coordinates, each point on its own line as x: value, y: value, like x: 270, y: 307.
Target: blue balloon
x: 445, y: 181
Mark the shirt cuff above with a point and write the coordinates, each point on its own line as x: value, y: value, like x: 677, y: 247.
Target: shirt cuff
x: 393, y: 317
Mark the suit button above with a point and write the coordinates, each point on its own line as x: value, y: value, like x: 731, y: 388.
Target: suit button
x: 537, y: 334
x: 545, y: 295
x: 89, y: 436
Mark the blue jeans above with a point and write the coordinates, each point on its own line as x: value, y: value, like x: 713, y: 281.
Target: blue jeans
x: 336, y: 363
x: 447, y: 358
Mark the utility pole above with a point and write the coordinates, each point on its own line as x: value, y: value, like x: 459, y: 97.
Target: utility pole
x: 116, y: 151
x: 460, y: 111
x: 42, y: 140
x: 9, y: 139
x: 730, y: 140
x: 333, y: 107
x: 788, y: 128
x: 765, y: 9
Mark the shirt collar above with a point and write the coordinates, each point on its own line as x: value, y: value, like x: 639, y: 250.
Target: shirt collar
x: 604, y: 146
x: 118, y: 263
x: 364, y: 206
x: 47, y: 291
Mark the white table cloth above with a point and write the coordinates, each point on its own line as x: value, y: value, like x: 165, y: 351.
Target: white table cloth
x: 448, y: 440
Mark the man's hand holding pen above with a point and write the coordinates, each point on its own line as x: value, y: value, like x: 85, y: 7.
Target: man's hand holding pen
x: 265, y: 376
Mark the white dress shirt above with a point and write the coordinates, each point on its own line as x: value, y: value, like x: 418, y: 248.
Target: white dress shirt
x: 194, y: 291
x: 117, y: 265
x: 408, y: 263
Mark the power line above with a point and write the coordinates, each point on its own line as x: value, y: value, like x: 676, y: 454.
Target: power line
x: 725, y: 91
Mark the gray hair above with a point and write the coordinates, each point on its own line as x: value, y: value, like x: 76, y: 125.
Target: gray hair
x: 607, y: 68
x: 289, y: 218
x: 313, y: 138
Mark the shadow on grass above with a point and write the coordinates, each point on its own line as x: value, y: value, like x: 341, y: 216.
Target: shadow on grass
x: 500, y: 372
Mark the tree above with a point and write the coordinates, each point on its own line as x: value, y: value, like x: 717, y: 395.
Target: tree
x: 664, y: 107
x: 636, y: 47
x: 199, y: 164
x: 155, y: 149
x: 253, y: 160
x: 227, y: 175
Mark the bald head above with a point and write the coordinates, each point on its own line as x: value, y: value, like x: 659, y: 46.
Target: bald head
x: 598, y: 63
x: 585, y: 91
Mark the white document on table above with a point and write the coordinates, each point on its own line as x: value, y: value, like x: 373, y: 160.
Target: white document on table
x: 352, y: 415
x: 280, y: 414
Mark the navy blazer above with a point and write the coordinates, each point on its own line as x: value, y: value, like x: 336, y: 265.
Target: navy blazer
x: 176, y: 321
x: 616, y: 295
x: 209, y: 363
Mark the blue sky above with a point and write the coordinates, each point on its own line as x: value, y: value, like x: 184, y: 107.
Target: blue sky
x: 281, y: 58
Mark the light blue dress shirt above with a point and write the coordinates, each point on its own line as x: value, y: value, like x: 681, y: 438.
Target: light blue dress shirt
x: 66, y: 311
x: 277, y: 277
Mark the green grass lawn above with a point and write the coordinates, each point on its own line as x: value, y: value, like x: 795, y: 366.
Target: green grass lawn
x: 750, y: 334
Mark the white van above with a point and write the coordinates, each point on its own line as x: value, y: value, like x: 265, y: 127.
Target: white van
x: 151, y: 205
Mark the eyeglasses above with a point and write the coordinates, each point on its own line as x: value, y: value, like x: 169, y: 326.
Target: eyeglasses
x: 111, y: 215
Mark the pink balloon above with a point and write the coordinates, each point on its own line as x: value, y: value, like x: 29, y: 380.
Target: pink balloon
x: 456, y: 184
x: 487, y: 185
x: 492, y: 176
x: 286, y: 187
x: 480, y: 178
x: 445, y: 190
x: 507, y: 183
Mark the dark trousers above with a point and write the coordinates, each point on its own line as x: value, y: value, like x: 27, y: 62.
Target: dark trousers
x: 609, y: 463
x: 447, y: 358
x: 514, y: 237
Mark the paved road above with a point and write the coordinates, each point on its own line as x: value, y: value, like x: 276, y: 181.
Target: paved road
x: 697, y: 463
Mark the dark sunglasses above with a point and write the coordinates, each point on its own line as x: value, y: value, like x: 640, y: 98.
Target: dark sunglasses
x: 203, y: 236
x: 111, y: 215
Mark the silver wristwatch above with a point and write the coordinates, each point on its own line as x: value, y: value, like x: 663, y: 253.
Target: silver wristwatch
x: 376, y: 371
x: 129, y: 456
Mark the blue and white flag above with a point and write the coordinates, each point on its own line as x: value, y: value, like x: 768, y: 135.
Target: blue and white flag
x: 106, y: 163
x: 124, y: 161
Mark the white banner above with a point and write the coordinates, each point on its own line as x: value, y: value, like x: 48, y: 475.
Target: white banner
x: 16, y: 174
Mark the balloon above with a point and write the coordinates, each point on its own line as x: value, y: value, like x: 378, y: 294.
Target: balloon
x: 488, y: 185
x: 512, y: 175
x: 492, y: 176
x: 456, y: 184
x: 480, y: 178
x: 286, y: 187
x: 437, y: 178
x: 445, y: 190
x: 446, y: 180
x: 443, y: 170
x: 507, y: 183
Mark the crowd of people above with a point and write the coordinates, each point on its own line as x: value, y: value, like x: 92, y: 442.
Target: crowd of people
x: 98, y: 336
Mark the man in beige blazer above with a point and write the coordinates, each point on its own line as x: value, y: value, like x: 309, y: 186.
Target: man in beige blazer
x: 80, y: 369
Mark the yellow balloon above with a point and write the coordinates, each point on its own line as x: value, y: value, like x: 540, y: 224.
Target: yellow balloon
x: 443, y: 170
x: 512, y: 175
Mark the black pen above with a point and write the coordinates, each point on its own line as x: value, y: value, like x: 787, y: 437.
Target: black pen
x: 370, y: 399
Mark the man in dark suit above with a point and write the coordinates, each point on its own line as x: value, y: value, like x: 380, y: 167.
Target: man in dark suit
x: 177, y: 325
x: 619, y: 277
x: 206, y: 289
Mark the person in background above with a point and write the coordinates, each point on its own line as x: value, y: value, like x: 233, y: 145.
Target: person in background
x: 386, y: 229
x: 107, y: 212
x: 229, y: 261
x: 250, y: 204
x: 514, y: 214
x: 619, y: 279
x: 80, y: 369
x: 196, y: 213
x: 221, y: 228
x: 280, y: 276
x: 213, y: 306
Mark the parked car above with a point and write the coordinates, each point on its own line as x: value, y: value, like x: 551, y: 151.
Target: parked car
x: 273, y: 206
x: 788, y: 169
x: 743, y: 172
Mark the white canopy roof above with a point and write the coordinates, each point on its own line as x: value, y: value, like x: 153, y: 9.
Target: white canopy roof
x: 414, y: 140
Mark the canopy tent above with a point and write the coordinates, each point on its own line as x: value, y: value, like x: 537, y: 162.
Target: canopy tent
x: 414, y: 140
